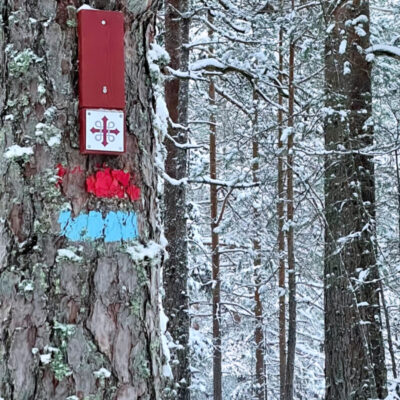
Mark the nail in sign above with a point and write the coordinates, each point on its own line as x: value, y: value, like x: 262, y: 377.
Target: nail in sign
x: 101, y: 81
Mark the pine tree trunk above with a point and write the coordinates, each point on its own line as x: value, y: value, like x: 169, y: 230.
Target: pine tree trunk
x: 291, y: 349
x: 396, y: 155
x: 215, y: 259
x: 215, y: 255
x: 175, y: 270
x: 78, y: 319
x: 261, y: 382
x: 355, y: 361
x: 281, y: 237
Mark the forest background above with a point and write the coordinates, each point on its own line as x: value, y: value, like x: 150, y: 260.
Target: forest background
x: 264, y: 86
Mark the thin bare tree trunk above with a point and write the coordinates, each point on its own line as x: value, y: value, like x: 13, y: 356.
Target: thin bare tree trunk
x: 281, y: 236
x: 78, y: 319
x: 261, y: 387
x: 388, y: 330
x: 175, y: 272
x: 291, y: 350
x: 216, y: 309
x: 216, y: 292
x: 396, y: 153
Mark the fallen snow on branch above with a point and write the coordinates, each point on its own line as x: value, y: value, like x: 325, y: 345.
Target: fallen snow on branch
x: 206, y: 63
x: 384, y: 49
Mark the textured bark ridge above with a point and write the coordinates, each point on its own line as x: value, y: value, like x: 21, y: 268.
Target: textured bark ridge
x: 78, y: 320
x: 175, y: 272
x: 355, y: 359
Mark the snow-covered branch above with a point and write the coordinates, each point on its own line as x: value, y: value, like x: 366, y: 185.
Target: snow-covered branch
x: 384, y: 50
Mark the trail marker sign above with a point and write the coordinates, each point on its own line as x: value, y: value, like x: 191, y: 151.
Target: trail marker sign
x: 101, y: 82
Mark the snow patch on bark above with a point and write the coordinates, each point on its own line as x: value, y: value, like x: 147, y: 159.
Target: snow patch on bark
x: 165, y: 341
x: 102, y: 373
x: 66, y: 254
x: 16, y: 151
x: 157, y: 56
x: 343, y: 46
x: 45, y: 358
x: 139, y: 252
x: 85, y: 7
x: 50, y: 133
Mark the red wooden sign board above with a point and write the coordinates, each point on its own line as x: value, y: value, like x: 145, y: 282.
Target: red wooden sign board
x: 101, y: 81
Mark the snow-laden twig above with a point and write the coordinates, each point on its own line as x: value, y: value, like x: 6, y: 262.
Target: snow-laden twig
x: 384, y: 50
x: 183, y: 146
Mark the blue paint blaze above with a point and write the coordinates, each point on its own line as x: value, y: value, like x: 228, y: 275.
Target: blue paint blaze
x: 116, y: 226
x: 113, y: 229
x: 95, y: 225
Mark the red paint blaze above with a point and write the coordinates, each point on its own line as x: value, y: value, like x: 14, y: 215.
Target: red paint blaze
x: 110, y: 183
x: 61, y: 171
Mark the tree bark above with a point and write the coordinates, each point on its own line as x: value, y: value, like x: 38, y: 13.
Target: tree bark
x: 216, y: 293
x: 396, y: 154
x: 175, y: 272
x: 281, y: 237
x: 215, y: 255
x: 261, y: 382
x: 291, y: 349
x: 355, y: 360
x: 77, y: 319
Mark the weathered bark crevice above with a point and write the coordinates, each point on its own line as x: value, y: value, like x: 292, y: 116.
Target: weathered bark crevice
x: 175, y: 274
x: 355, y: 359
x: 76, y: 318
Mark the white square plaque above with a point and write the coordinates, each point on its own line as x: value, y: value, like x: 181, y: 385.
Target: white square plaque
x: 105, y: 130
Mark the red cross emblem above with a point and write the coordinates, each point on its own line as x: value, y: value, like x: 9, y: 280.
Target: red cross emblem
x: 104, y: 131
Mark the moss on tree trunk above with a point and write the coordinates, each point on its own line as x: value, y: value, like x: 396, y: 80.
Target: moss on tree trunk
x: 81, y: 323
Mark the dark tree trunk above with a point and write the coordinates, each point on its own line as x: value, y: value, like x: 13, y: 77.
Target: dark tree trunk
x: 215, y: 255
x: 215, y: 259
x: 355, y: 361
x: 396, y: 154
x: 77, y: 319
x: 291, y: 347
x: 281, y: 236
x: 175, y: 270
x: 261, y: 381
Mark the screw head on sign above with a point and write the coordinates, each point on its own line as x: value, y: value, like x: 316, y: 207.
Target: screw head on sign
x: 103, y: 22
x: 105, y: 89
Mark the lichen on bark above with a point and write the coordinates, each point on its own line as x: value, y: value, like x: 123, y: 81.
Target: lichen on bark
x: 67, y: 329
